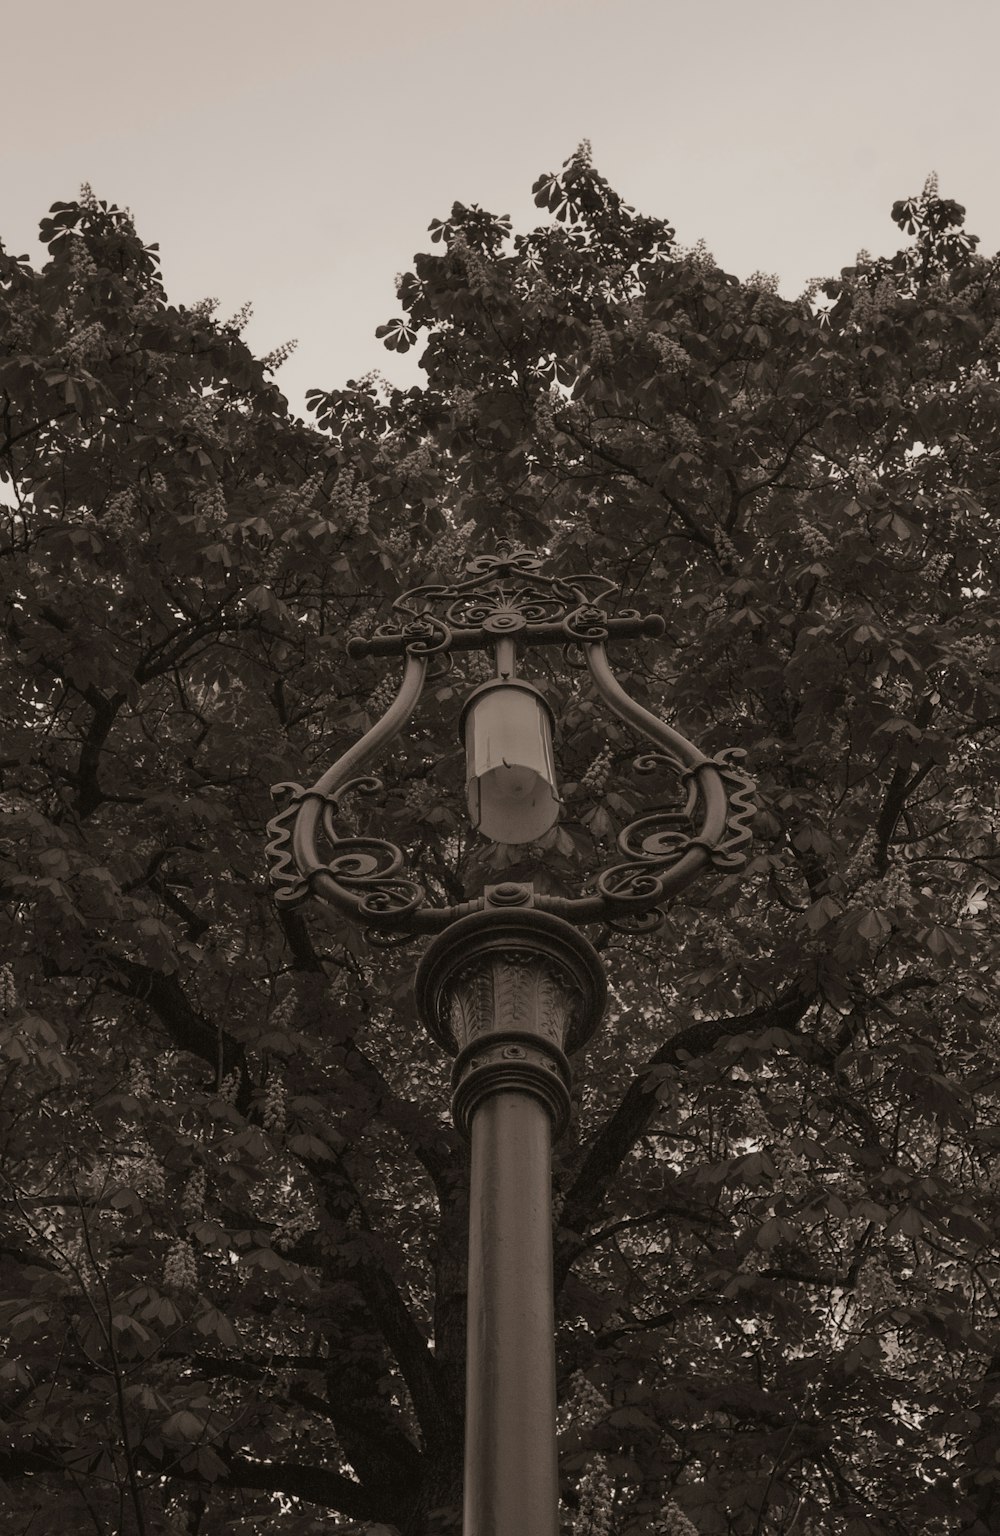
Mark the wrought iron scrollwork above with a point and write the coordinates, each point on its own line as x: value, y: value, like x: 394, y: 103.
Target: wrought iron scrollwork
x: 661, y: 849
x: 732, y: 852
x: 290, y: 885
x: 503, y: 593
x: 425, y: 635
x: 505, y: 597
x: 364, y: 875
x: 361, y: 876
x: 636, y: 924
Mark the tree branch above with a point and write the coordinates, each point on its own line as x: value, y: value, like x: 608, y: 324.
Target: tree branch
x: 639, y: 1106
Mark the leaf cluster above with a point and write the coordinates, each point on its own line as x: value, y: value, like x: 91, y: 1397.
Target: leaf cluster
x: 234, y: 1206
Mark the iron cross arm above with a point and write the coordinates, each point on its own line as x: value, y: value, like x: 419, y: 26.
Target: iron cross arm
x: 584, y: 624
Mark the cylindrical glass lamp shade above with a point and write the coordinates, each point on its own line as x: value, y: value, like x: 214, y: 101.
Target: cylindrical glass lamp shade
x: 510, y: 770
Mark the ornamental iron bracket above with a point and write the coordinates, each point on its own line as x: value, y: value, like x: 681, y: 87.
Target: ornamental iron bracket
x: 506, y: 600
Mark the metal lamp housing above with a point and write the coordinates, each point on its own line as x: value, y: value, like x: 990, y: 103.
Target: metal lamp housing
x: 510, y: 768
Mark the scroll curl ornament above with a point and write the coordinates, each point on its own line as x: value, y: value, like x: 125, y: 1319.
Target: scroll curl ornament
x: 504, y: 592
x: 362, y: 874
x: 422, y: 635
x: 661, y: 848
x: 290, y: 886
x: 637, y: 924
x: 512, y: 556
x: 586, y: 622
x: 666, y: 847
x: 732, y: 852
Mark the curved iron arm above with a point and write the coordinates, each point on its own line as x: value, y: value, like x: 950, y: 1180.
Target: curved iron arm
x: 364, y: 877
x: 661, y: 856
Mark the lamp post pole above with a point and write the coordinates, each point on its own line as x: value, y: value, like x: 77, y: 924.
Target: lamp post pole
x: 508, y: 985
x: 508, y: 990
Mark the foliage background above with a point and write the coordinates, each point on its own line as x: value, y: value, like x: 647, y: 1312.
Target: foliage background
x: 234, y: 1206
x: 294, y: 157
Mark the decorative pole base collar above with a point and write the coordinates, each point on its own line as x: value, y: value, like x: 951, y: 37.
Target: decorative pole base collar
x: 510, y: 991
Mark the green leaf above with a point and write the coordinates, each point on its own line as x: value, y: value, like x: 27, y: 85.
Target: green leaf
x: 907, y: 1221
x: 184, y: 1426
x: 874, y: 925
x: 303, y: 1144
x: 774, y: 1230
x: 216, y: 1324
x: 822, y: 912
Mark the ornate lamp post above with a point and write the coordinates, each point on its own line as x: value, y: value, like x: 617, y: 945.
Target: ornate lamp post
x: 509, y: 986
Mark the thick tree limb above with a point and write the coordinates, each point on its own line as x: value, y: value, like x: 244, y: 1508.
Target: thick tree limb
x: 901, y: 786
x: 440, y: 1165
x: 188, y: 1029
x: 634, y: 1115
x: 386, y: 1307
x: 317, y: 1485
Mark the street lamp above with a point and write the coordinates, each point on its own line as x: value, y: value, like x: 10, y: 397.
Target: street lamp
x: 511, y: 772
x: 509, y: 986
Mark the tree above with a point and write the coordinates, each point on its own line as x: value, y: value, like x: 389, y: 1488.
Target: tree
x: 234, y: 1223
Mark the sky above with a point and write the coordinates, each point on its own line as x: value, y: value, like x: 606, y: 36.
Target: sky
x: 293, y: 154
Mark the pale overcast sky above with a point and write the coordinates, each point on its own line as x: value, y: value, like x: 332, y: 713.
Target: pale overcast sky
x: 293, y: 154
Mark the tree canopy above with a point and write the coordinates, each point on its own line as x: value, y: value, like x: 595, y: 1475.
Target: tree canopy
x: 233, y: 1220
